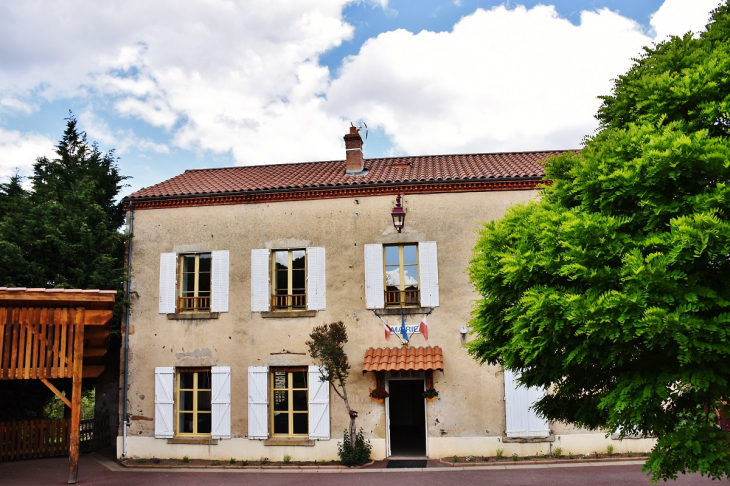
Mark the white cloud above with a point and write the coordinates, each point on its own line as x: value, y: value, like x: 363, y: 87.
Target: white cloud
x: 677, y: 17
x: 19, y: 151
x: 121, y: 140
x: 197, y: 67
x: 503, y: 79
x: 243, y: 77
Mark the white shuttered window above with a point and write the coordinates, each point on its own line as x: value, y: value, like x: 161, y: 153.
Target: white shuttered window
x: 258, y: 399
x: 221, y: 402
x: 316, y: 281
x: 260, y: 285
x: 219, y: 284
x: 374, y: 290
x: 169, y: 284
x: 319, y: 406
x: 428, y: 260
x: 164, y: 381
x: 428, y: 277
x: 168, y: 267
x: 521, y: 420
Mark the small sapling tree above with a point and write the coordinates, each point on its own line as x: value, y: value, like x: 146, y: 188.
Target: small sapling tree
x: 327, y: 345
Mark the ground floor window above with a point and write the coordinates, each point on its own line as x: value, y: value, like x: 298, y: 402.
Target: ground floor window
x: 290, y: 402
x: 194, y: 401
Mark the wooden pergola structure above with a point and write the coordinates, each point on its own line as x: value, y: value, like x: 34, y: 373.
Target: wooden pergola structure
x: 56, y: 333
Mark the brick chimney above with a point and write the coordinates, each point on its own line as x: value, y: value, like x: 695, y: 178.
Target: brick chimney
x: 354, y: 163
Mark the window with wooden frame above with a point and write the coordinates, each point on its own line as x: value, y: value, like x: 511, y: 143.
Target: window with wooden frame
x: 289, y: 402
x: 401, y: 275
x: 195, y: 282
x: 194, y: 387
x: 289, y: 282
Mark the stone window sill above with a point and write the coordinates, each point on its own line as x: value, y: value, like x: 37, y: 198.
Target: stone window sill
x: 288, y: 314
x: 193, y: 440
x: 289, y: 441
x: 392, y: 311
x: 184, y: 316
x: 527, y: 440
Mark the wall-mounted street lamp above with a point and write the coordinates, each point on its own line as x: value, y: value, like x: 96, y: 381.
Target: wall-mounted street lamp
x: 399, y: 215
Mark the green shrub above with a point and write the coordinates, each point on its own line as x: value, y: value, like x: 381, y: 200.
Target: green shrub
x: 514, y: 456
x: 215, y: 463
x: 186, y: 459
x: 557, y: 452
x: 609, y: 449
x: 500, y: 453
x: 232, y: 461
x: 456, y: 458
x: 287, y: 459
x: 244, y: 463
x: 356, y: 456
x: 630, y: 454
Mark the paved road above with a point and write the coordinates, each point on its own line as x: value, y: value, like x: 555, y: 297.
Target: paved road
x: 96, y: 470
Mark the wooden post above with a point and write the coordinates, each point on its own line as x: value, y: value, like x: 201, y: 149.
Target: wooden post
x: 77, y: 364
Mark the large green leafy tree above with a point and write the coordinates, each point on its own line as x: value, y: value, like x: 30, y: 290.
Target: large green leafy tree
x: 62, y: 232
x: 612, y: 290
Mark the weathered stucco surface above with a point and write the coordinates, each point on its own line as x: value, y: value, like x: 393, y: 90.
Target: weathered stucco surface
x: 470, y: 408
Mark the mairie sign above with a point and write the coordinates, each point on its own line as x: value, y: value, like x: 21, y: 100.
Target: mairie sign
x: 409, y: 329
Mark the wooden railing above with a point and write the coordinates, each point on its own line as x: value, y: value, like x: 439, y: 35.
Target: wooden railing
x: 94, y: 434
x: 402, y: 297
x: 193, y: 304
x: 36, y: 343
x: 34, y: 438
x: 50, y: 437
x: 289, y: 301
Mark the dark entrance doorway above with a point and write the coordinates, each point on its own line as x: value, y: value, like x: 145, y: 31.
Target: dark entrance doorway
x: 407, y: 414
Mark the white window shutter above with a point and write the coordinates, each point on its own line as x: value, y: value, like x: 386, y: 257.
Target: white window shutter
x: 374, y: 291
x: 168, y: 267
x: 258, y: 401
x: 316, y: 282
x: 164, y: 419
x: 521, y: 420
x: 319, y: 406
x: 219, y: 284
x: 428, y: 261
x: 260, y: 287
x: 221, y: 402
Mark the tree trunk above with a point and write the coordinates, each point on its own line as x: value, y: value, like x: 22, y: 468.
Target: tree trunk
x: 352, y: 414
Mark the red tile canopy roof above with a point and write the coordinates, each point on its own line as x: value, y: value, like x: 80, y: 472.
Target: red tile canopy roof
x: 324, y: 175
x: 403, y: 358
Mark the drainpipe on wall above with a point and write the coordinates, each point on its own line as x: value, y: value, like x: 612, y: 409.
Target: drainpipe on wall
x: 126, y: 331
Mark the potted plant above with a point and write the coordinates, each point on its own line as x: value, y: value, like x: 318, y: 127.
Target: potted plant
x: 379, y: 394
x: 430, y: 394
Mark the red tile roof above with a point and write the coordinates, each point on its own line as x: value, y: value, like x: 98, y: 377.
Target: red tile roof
x: 308, y: 175
x: 403, y: 358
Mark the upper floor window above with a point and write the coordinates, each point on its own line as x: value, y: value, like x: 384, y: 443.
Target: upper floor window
x: 401, y: 275
x: 194, y: 282
x: 291, y: 279
x: 289, y: 283
x: 194, y: 278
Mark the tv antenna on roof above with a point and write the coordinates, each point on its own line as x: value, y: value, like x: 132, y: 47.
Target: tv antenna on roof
x: 360, y: 127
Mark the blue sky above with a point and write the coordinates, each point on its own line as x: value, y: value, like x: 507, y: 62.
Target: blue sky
x: 176, y: 85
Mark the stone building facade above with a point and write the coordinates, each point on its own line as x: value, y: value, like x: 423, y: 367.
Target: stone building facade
x: 232, y: 269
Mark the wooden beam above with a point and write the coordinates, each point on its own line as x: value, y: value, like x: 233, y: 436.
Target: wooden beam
x: 55, y: 390
x: 52, y: 295
x: 94, y: 352
x: 97, y: 317
x: 92, y: 371
x: 77, y: 364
